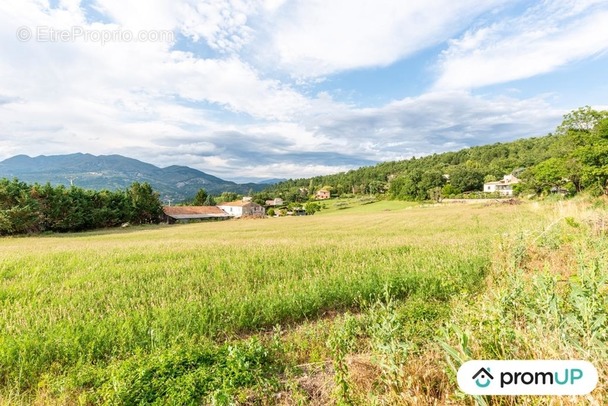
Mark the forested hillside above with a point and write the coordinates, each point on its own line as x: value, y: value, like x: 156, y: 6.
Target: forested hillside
x: 574, y: 158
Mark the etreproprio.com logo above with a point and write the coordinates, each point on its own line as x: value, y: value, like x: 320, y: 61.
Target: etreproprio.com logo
x: 532, y: 377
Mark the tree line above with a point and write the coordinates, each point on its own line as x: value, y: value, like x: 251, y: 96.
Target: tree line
x: 26, y: 208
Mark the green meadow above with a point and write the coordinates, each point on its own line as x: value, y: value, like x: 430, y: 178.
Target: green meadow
x: 336, y: 308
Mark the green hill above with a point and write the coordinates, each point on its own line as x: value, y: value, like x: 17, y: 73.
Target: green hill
x: 575, y: 157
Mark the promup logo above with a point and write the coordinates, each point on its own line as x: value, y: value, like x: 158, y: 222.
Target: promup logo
x: 527, y: 377
x: 483, y: 378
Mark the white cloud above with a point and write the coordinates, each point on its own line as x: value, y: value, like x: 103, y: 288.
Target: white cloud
x: 221, y: 24
x: 70, y: 77
x: 436, y: 122
x: 231, y: 112
x: 232, y: 83
x: 546, y: 37
x: 315, y: 37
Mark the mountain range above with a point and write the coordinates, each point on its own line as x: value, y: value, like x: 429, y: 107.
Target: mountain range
x: 176, y: 183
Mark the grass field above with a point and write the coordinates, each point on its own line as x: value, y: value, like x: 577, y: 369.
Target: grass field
x: 331, y: 308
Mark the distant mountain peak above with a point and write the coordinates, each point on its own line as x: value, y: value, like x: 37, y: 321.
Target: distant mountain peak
x: 114, y: 171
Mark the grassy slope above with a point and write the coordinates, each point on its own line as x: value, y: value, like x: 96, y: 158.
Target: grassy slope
x: 85, y: 316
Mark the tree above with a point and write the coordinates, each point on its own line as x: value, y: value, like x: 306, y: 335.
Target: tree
x: 448, y: 190
x: 145, y: 204
x: 467, y: 180
x: 579, y: 156
x: 200, y: 198
x: 592, y: 158
x: 109, y: 208
x: 20, y: 210
x: 6, y: 225
x: 435, y: 194
x: 311, y: 208
x: 209, y: 201
x: 35, y: 208
x: 547, y: 174
x: 376, y: 187
x: 228, y: 196
x: 583, y: 119
x: 430, y: 180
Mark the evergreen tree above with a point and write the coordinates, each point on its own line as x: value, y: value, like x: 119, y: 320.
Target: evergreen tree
x: 200, y: 198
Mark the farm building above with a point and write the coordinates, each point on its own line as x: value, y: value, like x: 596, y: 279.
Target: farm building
x: 242, y: 208
x: 174, y: 214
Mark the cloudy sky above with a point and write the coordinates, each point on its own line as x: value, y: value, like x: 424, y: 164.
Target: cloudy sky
x: 247, y: 89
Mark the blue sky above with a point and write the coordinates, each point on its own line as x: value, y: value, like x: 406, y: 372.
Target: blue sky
x: 256, y: 89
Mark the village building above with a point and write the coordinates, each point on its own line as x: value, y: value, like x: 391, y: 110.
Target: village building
x: 184, y: 214
x: 322, y: 194
x: 504, y: 186
x: 277, y: 201
x: 241, y: 208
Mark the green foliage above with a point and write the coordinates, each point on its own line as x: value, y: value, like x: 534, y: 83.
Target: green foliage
x: 227, y: 197
x: 312, y: 207
x: 390, y: 349
x: 415, y: 185
x: 547, y: 174
x: 185, y: 375
x: 145, y: 204
x: 467, y: 180
x: 200, y: 198
x: 436, y: 194
x: 35, y: 208
x: 583, y: 119
x: 449, y: 190
x: 340, y: 343
x: 209, y: 201
x: 580, y: 158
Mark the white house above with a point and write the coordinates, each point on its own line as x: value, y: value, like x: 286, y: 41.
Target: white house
x: 504, y: 186
x: 241, y: 208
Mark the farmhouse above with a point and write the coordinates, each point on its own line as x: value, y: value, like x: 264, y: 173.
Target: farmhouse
x: 242, y: 208
x: 173, y: 214
x: 322, y: 194
x: 504, y: 186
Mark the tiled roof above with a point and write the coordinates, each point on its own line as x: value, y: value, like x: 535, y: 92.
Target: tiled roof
x: 508, y: 180
x: 238, y: 203
x: 193, y: 211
